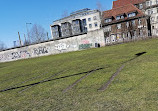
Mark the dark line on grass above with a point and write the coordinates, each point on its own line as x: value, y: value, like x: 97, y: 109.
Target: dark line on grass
x: 48, y: 80
x: 42, y: 80
x: 76, y: 82
x: 27, y: 80
x: 104, y: 87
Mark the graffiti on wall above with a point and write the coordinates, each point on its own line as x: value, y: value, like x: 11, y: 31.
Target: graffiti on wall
x: 85, y: 44
x: 15, y: 55
x: 4, y: 57
x: 40, y: 50
x: 61, y: 46
x: 20, y: 54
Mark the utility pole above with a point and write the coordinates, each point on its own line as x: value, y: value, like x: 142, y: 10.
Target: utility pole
x: 19, y: 39
x: 28, y: 32
x: 47, y: 36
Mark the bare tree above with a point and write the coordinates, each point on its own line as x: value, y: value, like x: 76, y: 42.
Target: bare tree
x: 99, y: 5
x: 2, y: 46
x: 64, y: 14
x: 26, y: 42
x: 37, y: 34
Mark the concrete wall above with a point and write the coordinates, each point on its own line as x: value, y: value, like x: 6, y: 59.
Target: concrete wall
x: 80, y: 42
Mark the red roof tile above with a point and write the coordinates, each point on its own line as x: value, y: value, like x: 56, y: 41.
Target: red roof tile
x: 120, y: 3
x: 122, y: 10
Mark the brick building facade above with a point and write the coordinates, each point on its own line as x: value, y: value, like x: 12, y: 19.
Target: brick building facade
x: 149, y: 7
x: 124, y: 23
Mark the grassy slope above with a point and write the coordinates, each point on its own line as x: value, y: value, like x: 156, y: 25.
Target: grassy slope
x: 135, y: 88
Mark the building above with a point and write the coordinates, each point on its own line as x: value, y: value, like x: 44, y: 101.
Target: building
x: 140, y: 4
x: 152, y: 10
x: 78, y: 22
x: 149, y: 7
x: 124, y: 23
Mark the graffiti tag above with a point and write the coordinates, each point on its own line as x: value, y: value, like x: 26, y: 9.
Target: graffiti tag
x: 40, y: 50
x: 61, y: 46
x: 85, y: 46
x: 20, y: 54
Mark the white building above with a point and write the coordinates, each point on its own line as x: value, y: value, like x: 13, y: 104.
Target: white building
x: 78, y: 22
x: 152, y: 11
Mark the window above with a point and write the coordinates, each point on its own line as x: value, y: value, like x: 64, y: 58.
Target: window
x: 135, y: 34
x: 55, y: 34
x: 122, y: 17
x: 107, y: 20
x: 136, y: 6
x: 150, y: 3
x: 147, y: 3
x: 119, y: 17
x: 76, y: 22
x: 89, y: 19
x: 118, y: 26
x: 139, y: 21
x: 84, y: 22
x: 123, y: 35
x: 95, y: 18
x: 156, y: 1
x: 90, y: 26
x: 127, y: 24
x: 152, y: 19
x: 140, y: 6
x: 150, y: 12
x: 128, y: 35
x: 107, y: 29
x: 141, y: 33
x: 132, y: 14
x: 133, y: 22
x: 96, y: 24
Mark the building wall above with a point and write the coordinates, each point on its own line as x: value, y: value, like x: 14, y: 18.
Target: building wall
x: 150, y: 8
x: 113, y: 34
x: 152, y: 11
x: 89, y: 40
x: 154, y: 24
x: 92, y: 14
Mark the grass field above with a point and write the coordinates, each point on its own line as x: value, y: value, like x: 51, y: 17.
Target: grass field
x: 134, y: 89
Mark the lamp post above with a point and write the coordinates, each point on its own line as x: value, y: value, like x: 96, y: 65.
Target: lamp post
x: 28, y: 31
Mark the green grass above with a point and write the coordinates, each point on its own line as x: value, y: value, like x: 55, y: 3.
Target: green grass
x: 134, y: 89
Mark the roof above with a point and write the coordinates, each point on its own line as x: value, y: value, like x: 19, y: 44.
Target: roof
x: 122, y: 10
x: 73, y: 16
x: 120, y: 3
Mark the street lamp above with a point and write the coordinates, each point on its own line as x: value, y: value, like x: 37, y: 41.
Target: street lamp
x: 28, y: 31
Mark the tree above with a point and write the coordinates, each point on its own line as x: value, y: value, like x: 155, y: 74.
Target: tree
x: 99, y: 5
x: 26, y: 42
x: 37, y: 34
x: 2, y: 46
x: 64, y: 14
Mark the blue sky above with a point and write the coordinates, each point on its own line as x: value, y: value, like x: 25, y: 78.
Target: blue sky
x: 14, y: 14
